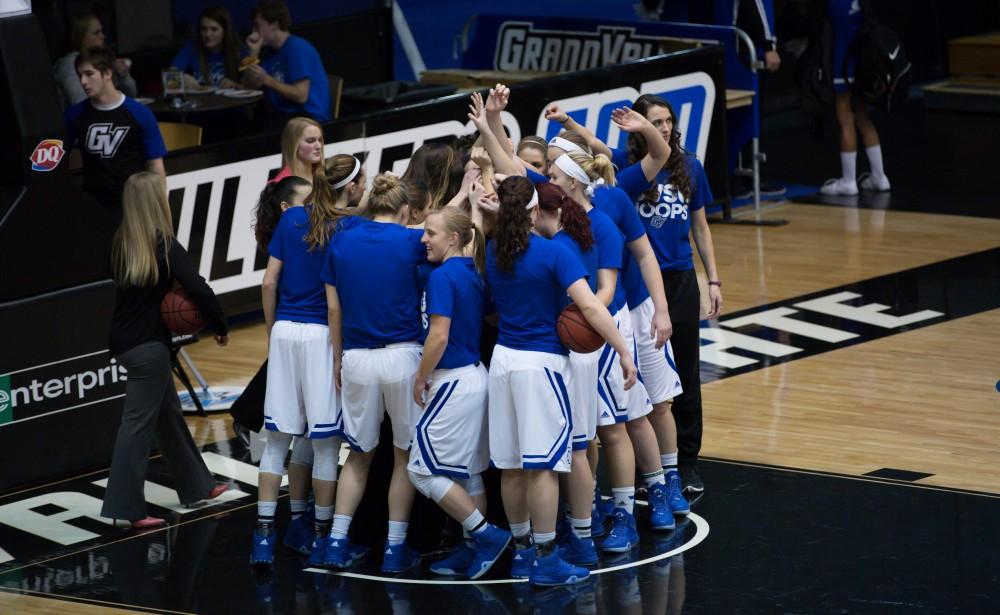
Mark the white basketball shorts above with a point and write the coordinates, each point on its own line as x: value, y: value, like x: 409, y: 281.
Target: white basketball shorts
x: 530, y: 415
x: 374, y: 382
x: 301, y: 396
x: 617, y: 404
x: 657, y: 368
x: 583, y: 396
x: 451, y: 437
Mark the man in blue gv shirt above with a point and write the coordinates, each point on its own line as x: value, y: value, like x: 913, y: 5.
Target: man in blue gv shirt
x: 293, y: 76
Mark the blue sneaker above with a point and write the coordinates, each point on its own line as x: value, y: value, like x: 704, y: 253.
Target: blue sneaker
x: 520, y: 564
x: 604, y: 507
x: 455, y: 564
x: 317, y: 554
x: 338, y: 553
x: 490, y: 545
x: 623, y: 535
x: 299, y: 537
x: 675, y: 494
x: 579, y: 551
x: 263, y: 549
x: 552, y: 570
x: 596, y: 524
x: 397, y: 558
x: 660, y: 515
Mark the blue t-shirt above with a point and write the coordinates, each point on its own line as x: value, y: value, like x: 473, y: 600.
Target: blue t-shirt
x: 187, y: 60
x: 297, y: 60
x: 588, y: 258
x: 301, y: 293
x: 535, y: 177
x: 617, y: 205
x: 373, y: 265
x: 455, y: 290
x: 610, y: 244
x: 530, y: 298
x: 423, y: 274
x: 668, y: 218
x: 619, y: 156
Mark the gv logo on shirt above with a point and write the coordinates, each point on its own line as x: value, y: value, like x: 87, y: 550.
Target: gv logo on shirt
x: 669, y: 205
x: 105, y: 139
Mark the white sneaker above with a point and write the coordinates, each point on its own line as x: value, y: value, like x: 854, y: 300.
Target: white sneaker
x: 839, y: 187
x: 873, y: 183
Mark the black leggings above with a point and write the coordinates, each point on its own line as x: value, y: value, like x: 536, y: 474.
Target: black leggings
x: 684, y: 300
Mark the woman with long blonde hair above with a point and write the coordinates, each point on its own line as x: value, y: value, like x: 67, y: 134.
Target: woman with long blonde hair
x: 146, y: 261
x: 301, y: 149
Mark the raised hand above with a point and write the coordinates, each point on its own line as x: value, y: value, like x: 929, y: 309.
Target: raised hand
x: 628, y: 120
x: 477, y: 111
x: 555, y: 114
x: 498, y: 98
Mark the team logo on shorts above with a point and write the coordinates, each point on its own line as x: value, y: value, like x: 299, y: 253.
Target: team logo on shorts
x: 47, y: 155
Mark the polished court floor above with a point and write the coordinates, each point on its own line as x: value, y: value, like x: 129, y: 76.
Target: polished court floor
x: 852, y: 439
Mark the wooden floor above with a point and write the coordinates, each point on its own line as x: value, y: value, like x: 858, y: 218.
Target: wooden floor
x: 14, y: 603
x: 922, y: 400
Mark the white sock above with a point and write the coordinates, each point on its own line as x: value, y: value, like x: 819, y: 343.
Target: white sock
x: 669, y: 461
x: 266, y: 509
x: 624, y: 498
x: 581, y: 527
x: 397, y: 532
x: 324, y: 513
x: 874, y: 154
x: 542, y: 538
x: 341, y: 523
x: 848, y: 166
x: 298, y: 507
x: 474, y: 523
x: 520, y: 529
x: 654, y: 478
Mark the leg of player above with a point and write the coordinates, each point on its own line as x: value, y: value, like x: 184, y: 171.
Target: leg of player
x: 272, y: 468
x: 847, y: 183
x: 398, y: 556
x: 579, y: 548
x: 514, y: 493
x: 621, y: 470
x: 647, y: 457
x: 877, y: 179
x: 324, y: 483
x: 299, y: 536
x: 350, y: 490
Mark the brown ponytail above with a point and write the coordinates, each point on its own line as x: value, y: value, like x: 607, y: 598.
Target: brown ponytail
x: 573, y: 218
x: 513, y: 227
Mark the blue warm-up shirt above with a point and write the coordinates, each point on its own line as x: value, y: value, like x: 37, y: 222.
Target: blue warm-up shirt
x: 297, y: 60
x: 301, y: 292
x: 455, y: 290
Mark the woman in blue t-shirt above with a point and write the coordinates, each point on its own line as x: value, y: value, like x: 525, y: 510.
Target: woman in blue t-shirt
x: 529, y: 408
x: 371, y: 291
x: 673, y: 210
x: 213, y: 57
x: 300, y: 397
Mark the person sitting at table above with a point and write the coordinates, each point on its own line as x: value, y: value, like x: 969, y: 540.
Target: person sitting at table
x: 85, y: 31
x: 293, y: 76
x: 301, y: 150
x: 213, y: 57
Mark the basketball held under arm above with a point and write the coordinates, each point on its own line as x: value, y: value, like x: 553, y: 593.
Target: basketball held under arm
x: 185, y: 274
x: 600, y: 319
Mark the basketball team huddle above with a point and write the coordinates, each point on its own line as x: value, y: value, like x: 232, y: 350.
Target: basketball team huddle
x: 387, y: 302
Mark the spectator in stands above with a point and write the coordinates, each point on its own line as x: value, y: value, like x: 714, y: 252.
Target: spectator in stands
x: 85, y: 31
x: 213, y: 57
x: 301, y: 150
x: 117, y: 135
x: 293, y: 76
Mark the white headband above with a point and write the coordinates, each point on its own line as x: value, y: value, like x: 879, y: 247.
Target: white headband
x: 571, y: 168
x: 350, y: 177
x: 565, y: 144
x: 534, y: 200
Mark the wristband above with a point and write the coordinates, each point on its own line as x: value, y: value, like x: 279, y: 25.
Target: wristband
x: 715, y: 283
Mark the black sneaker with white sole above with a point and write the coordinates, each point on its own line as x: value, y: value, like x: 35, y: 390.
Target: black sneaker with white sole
x: 690, y: 478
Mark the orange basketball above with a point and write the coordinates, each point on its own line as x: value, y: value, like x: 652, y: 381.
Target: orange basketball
x: 576, y: 333
x: 180, y: 314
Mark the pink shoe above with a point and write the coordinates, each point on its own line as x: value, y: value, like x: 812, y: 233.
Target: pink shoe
x: 217, y: 490
x: 143, y: 524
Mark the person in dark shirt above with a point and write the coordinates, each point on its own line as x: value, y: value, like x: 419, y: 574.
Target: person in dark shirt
x: 146, y: 261
x: 117, y: 135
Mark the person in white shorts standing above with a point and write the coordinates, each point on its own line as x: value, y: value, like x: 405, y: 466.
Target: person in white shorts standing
x: 529, y: 409
x: 371, y: 292
x: 451, y: 444
x: 301, y: 398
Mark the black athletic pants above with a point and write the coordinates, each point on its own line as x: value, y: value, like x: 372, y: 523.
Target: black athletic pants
x: 684, y: 301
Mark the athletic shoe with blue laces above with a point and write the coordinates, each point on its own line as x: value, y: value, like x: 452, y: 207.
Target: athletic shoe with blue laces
x: 397, y: 558
x: 660, y: 515
x: 579, y: 551
x: 299, y: 536
x: 552, y: 570
x: 623, y: 535
x: 263, y: 549
x: 675, y: 494
x: 521, y: 562
x: 455, y: 564
x: 489, y: 546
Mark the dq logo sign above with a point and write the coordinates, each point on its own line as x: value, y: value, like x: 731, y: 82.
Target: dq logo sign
x: 47, y: 155
x: 692, y: 96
